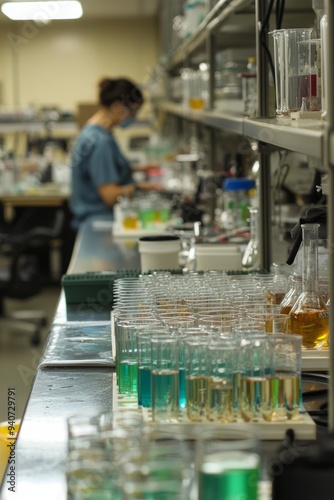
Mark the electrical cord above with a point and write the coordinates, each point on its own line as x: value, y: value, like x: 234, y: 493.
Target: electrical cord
x: 263, y: 40
x: 265, y: 24
x: 280, y: 6
x: 281, y: 174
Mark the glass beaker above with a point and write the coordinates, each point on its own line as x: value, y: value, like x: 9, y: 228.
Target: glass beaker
x: 319, y: 8
x: 255, y: 368
x: 296, y: 46
x: 309, y: 315
x: 196, y: 100
x: 165, y: 378
x: 228, y: 464
x: 285, y: 380
x: 324, y: 59
x: 280, y: 75
x: 250, y: 258
x: 309, y: 75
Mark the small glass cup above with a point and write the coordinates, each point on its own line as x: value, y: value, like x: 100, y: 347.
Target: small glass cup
x: 285, y: 379
x: 255, y: 369
x: 272, y: 323
x: 221, y: 370
x: 126, y: 358
x: 165, y: 378
x: 144, y: 370
x: 228, y: 464
x: 144, y: 386
x: 217, y: 325
x: 177, y: 322
x: 195, y: 356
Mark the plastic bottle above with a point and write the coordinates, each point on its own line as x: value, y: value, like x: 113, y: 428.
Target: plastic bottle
x: 237, y: 201
x: 250, y: 258
x: 251, y: 65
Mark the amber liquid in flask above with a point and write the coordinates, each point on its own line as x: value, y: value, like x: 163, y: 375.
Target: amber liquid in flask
x: 309, y: 315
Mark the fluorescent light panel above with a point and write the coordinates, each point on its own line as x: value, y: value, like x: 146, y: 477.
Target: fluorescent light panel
x: 42, y: 11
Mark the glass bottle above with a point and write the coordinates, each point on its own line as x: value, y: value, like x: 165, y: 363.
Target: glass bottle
x: 309, y: 315
x: 250, y: 258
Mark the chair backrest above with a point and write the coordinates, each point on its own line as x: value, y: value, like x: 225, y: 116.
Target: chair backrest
x: 33, y: 231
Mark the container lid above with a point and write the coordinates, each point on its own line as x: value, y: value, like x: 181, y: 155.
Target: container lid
x: 239, y: 184
x: 159, y: 244
x: 158, y: 237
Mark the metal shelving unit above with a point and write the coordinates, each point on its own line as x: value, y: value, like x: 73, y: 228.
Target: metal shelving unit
x: 301, y: 138
x: 212, y: 22
x: 298, y: 137
x: 312, y: 139
x: 329, y: 161
x: 38, y: 126
x: 215, y: 119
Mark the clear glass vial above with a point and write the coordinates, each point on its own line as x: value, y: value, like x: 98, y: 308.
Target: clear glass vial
x: 250, y: 258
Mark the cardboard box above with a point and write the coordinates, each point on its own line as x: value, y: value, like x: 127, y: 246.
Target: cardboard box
x: 84, y: 112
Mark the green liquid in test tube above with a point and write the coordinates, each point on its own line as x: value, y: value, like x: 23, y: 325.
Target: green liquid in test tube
x: 229, y: 476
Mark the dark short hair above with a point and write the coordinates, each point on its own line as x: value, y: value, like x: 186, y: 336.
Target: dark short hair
x: 119, y: 90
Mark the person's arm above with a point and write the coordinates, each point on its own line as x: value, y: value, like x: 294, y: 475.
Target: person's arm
x: 111, y: 192
x: 144, y: 168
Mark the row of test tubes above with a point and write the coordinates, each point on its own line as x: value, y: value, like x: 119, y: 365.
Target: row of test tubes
x: 207, y: 348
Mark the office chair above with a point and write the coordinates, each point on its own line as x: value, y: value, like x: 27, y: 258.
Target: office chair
x: 20, y: 269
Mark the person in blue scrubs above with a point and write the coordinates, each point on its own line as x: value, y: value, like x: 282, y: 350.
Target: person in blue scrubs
x: 100, y: 172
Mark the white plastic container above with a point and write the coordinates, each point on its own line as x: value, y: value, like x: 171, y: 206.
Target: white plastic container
x: 159, y: 252
x: 218, y: 257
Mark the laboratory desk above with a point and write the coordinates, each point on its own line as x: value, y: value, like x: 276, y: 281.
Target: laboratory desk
x: 41, y: 197
x: 68, y: 388
x: 31, y: 204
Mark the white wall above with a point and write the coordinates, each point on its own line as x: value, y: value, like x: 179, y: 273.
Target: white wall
x: 59, y: 64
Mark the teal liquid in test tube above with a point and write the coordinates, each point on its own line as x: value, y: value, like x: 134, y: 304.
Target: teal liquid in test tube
x: 165, y: 378
x: 144, y: 386
x: 126, y: 359
x: 144, y: 369
x: 182, y: 387
x: 182, y: 372
x: 144, y: 334
x: 127, y: 374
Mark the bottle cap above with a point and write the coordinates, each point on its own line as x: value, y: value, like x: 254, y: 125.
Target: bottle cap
x: 239, y: 184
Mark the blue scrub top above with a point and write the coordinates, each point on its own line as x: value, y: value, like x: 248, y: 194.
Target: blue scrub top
x: 96, y: 160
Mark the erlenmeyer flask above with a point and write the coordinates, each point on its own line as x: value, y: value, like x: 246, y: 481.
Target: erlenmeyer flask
x: 292, y: 294
x: 250, y: 258
x: 309, y: 315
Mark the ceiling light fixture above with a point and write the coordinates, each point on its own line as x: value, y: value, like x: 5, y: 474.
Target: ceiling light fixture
x: 42, y: 11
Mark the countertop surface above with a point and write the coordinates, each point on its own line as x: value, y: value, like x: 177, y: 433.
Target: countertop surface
x: 61, y: 391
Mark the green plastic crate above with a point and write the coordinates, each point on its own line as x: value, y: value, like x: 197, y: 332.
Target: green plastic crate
x: 93, y: 287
